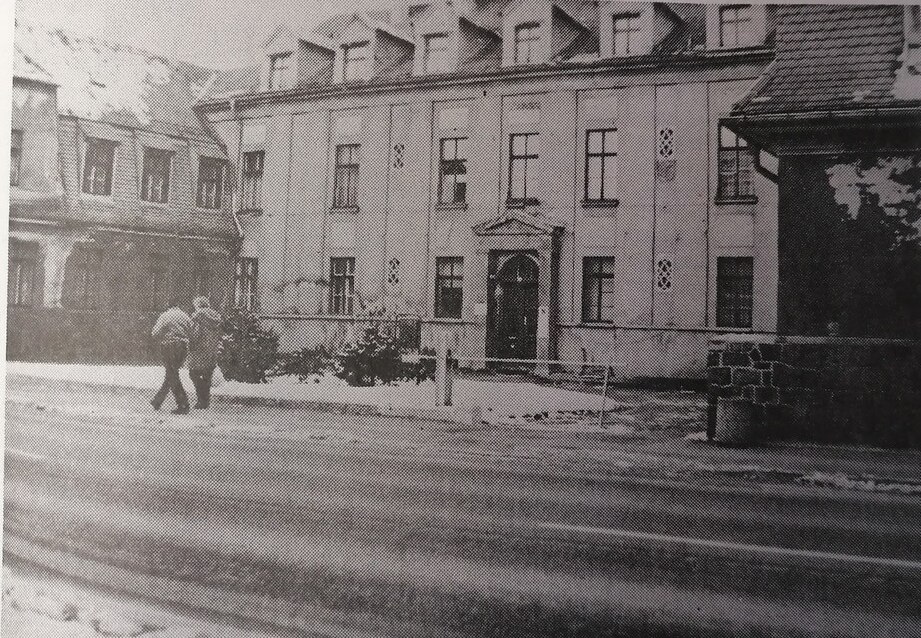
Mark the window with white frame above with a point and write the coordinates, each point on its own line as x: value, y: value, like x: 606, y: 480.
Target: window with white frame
x: 527, y: 40
x: 21, y: 273
x: 522, y: 168
x: 345, y: 176
x: 601, y: 165
x: 251, y: 186
x: 598, y: 289
x: 452, y: 180
x: 98, y: 163
x: 155, y: 175
x: 82, y: 277
x: 435, y: 54
x: 736, y: 26
x: 210, y: 182
x: 341, y: 285
x: 625, y: 35
x: 246, y: 277
x: 736, y: 165
x: 449, y: 287
x: 15, y: 156
x: 281, y: 72
x: 734, y: 287
x: 356, y: 62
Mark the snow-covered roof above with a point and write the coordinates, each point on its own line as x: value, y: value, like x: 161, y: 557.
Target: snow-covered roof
x: 25, y: 68
x: 110, y: 82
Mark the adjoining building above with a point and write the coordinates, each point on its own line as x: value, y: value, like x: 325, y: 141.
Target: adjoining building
x: 118, y: 197
x: 537, y: 179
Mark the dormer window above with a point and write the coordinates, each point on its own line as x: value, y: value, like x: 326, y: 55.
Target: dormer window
x: 626, y: 34
x: 527, y: 39
x: 280, y: 72
x: 736, y: 28
x: 356, y: 62
x: 435, y: 54
x: 913, y: 26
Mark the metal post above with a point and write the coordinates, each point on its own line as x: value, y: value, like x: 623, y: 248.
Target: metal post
x: 442, y: 372
x: 604, y: 395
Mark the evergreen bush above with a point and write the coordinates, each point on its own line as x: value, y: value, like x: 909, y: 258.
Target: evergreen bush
x: 248, y: 351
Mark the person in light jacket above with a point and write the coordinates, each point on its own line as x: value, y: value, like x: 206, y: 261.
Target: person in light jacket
x: 172, y: 330
x: 206, y: 338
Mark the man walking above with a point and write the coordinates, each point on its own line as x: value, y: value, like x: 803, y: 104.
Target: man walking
x: 172, y: 330
x: 206, y: 337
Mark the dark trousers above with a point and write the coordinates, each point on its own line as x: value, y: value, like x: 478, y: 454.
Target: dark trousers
x: 173, y: 353
x: 201, y: 377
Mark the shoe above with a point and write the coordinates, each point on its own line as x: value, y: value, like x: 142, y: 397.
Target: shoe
x: 199, y: 406
x: 154, y: 405
x: 181, y: 410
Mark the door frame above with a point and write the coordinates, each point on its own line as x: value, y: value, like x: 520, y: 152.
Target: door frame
x: 497, y: 260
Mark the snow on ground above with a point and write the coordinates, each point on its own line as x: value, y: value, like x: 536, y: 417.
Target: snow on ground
x: 863, y: 484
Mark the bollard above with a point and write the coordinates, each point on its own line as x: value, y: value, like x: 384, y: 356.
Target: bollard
x: 443, y: 372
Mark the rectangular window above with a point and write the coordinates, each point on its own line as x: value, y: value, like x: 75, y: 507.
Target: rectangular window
x: 449, y: 287
x: 913, y: 26
x: 601, y: 165
x: 626, y: 34
x: 201, y: 279
x: 251, y: 195
x: 156, y: 283
x: 280, y: 72
x: 435, y: 58
x: 20, y: 279
x: 341, y: 285
x: 523, y: 153
x: 598, y: 289
x: 97, y: 167
x: 155, y: 175
x: 356, y: 62
x: 83, y: 273
x: 452, y: 180
x: 15, y: 156
x: 245, y: 280
x: 345, y: 179
x: 210, y: 182
x: 527, y: 38
x: 736, y: 165
x: 736, y: 26
x: 734, y: 283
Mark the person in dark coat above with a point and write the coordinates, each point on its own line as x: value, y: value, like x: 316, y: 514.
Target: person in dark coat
x: 206, y: 337
x: 172, y: 330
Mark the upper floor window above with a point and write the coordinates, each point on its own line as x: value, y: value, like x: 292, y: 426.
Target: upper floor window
x: 155, y: 175
x: 449, y: 286
x: 736, y: 28
x: 356, y: 62
x: 435, y: 55
x: 913, y: 25
x: 601, y: 165
x: 452, y: 181
x: 598, y: 289
x: 98, y: 162
x: 20, y: 279
x: 527, y: 38
x: 523, y: 153
x: 341, y: 285
x: 625, y: 34
x: 15, y: 156
x: 345, y: 178
x: 210, y: 182
x: 736, y: 164
x: 734, y: 285
x: 246, y: 277
x: 281, y: 73
x: 251, y: 194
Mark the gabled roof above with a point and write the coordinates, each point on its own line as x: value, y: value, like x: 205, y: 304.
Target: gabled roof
x: 517, y: 222
x: 26, y: 68
x: 109, y: 82
x: 836, y: 58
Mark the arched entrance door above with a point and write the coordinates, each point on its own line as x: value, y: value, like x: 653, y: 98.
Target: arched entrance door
x: 514, y: 307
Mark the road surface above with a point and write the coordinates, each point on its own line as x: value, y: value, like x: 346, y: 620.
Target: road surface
x: 326, y: 525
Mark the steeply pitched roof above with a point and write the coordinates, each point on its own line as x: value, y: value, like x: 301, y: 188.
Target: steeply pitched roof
x: 26, y: 68
x: 835, y: 57
x: 109, y: 82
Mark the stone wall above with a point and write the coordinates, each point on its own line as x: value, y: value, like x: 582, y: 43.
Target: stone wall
x: 823, y: 389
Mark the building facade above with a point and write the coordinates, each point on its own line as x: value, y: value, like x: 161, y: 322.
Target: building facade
x: 118, y: 198
x: 537, y: 180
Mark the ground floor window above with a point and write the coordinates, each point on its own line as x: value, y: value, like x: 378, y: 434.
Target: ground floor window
x: 201, y: 279
x: 449, y: 280
x: 20, y: 282
x: 734, y: 284
x: 156, y: 282
x: 82, y: 278
x: 598, y: 290
x: 245, y: 280
x: 341, y: 285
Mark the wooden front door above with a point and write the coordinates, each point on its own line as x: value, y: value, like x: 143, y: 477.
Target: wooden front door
x: 514, y: 308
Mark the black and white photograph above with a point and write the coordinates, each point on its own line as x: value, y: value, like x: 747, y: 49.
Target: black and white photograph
x: 461, y: 319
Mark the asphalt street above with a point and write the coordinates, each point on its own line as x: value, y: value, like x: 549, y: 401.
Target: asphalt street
x: 324, y: 524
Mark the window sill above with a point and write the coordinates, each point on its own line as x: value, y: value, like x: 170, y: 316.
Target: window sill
x: 521, y: 203
x: 217, y: 210
x: 596, y: 324
x: 600, y: 203
x: 729, y: 201
x: 344, y: 210
x: 144, y: 202
x: 252, y: 212
x: 102, y: 199
x: 451, y: 206
x: 437, y: 319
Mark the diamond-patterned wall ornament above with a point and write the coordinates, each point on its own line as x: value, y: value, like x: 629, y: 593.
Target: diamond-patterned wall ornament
x: 398, y: 150
x: 393, y: 272
x: 664, y: 272
x: 666, y: 143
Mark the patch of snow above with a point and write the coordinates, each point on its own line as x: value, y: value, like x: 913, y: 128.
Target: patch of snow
x: 842, y: 481
x: 849, y: 181
x: 907, y: 84
x: 696, y: 436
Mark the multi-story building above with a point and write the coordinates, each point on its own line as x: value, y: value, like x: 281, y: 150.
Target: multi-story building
x: 538, y: 179
x: 118, y: 197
